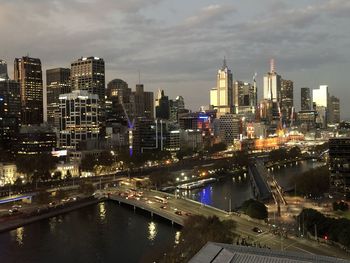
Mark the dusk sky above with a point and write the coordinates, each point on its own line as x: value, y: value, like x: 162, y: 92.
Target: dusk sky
x: 178, y: 45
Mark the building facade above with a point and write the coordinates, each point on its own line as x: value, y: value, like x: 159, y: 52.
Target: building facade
x: 57, y: 82
x: 334, y: 110
x: 272, y: 84
x: 305, y: 99
x: 78, y: 118
x: 230, y: 128
x: 3, y: 69
x: 221, y: 97
x: 287, y: 100
x: 320, y: 100
x: 89, y: 74
x: 339, y: 164
x: 27, y: 71
x: 10, y: 112
x: 245, y: 98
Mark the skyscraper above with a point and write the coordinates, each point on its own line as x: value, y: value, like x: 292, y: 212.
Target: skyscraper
x: 163, y: 106
x: 3, y: 69
x: 10, y: 112
x: 89, y: 74
x: 272, y: 84
x: 57, y: 82
x: 28, y: 73
x: 119, y: 95
x: 144, y: 105
x: 334, y: 110
x: 245, y: 98
x: 78, y: 118
x: 305, y: 99
x: 287, y: 99
x: 221, y: 97
x: 175, y: 106
x: 320, y: 99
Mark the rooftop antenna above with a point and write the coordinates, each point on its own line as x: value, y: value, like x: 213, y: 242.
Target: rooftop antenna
x: 139, y: 77
x: 225, y: 64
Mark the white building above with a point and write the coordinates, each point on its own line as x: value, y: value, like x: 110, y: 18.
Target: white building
x: 272, y: 84
x: 78, y: 118
x: 320, y: 99
x: 221, y: 97
x: 8, y: 173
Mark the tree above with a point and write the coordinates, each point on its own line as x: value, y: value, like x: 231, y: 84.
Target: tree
x: 42, y: 197
x: 255, y: 209
x: 61, y: 194
x: 342, y: 206
x: 86, y: 188
x: 314, y: 182
x: 105, y: 159
x: 88, y: 163
x: 294, y: 152
x: 159, y: 179
x: 197, y: 231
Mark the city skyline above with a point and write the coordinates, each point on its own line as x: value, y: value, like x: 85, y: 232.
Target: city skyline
x: 123, y: 38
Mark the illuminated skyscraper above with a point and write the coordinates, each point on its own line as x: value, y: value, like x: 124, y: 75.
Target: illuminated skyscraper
x: 287, y: 99
x: 89, y: 74
x: 28, y: 73
x: 320, y: 99
x: 221, y: 97
x: 245, y: 98
x: 305, y: 99
x: 272, y: 84
x: 78, y: 118
x: 57, y: 82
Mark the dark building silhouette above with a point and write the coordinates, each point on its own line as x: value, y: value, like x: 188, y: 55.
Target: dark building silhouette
x: 162, y: 106
x: 305, y: 99
x: 27, y: 71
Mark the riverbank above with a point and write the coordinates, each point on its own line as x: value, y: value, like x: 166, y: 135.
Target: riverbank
x: 41, y: 214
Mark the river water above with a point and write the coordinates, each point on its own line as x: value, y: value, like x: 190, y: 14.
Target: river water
x: 104, y: 232
x: 107, y: 232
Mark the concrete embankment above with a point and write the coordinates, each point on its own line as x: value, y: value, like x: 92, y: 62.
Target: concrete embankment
x: 48, y: 213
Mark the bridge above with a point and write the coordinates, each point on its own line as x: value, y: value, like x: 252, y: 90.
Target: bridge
x: 177, y: 210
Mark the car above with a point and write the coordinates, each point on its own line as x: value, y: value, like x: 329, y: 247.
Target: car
x: 13, y: 211
x: 257, y: 230
x: 17, y: 206
x: 52, y: 204
x: 163, y: 207
x: 188, y: 214
x: 178, y: 212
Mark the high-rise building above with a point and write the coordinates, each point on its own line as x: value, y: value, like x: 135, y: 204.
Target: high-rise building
x: 89, y: 74
x: 305, y: 99
x: 78, y: 118
x: 245, y: 98
x: 339, y: 159
x: 175, y: 106
x: 28, y: 73
x: 221, y: 97
x: 230, y: 128
x: 287, y: 100
x: 120, y: 98
x: 334, y: 110
x: 3, y: 69
x: 144, y: 102
x: 272, y: 84
x: 163, y: 106
x: 320, y: 99
x: 57, y: 82
x: 10, y: 112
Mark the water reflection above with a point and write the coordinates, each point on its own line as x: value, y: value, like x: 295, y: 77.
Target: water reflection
x: 205, y: 195
x: 102, y: 210
x: 152, y: 231
x: 19, y: 235
x: 177, y: 237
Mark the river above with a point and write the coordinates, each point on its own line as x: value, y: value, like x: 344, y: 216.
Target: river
x: 104, y: 232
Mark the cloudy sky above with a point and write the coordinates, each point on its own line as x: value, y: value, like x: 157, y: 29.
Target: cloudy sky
x: 178, y: 45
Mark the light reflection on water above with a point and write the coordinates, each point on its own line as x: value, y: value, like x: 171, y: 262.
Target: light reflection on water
x: 152, y: 231
x: 102, y: 210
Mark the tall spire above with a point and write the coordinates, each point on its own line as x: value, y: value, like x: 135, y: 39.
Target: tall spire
x: 224, y: 64
x: 272, y: 65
